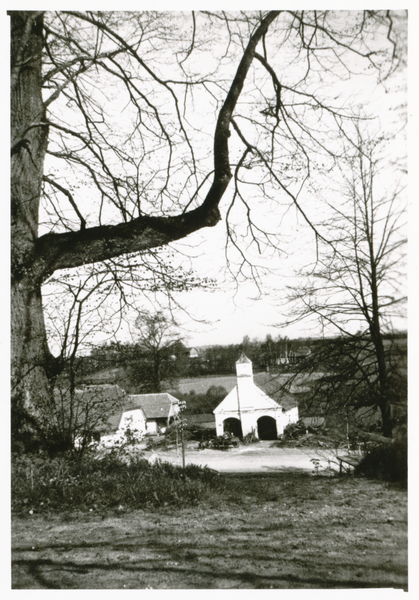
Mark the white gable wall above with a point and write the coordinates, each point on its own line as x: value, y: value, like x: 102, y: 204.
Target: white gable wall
x: 247, y: 404
x: 134, y: 420
x: 291, y: 416
x: 173, y: 411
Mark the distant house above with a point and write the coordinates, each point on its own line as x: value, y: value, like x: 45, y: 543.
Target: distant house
x: 143, y: 413
x: 299, y: 355
x: 247, y: 408
x: 193, y: 353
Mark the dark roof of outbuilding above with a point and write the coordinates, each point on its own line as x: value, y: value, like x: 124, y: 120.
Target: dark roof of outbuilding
x: 101, y: 405
x: 201, y: 420
x: 285, y: 399
x: 155, y: 406
x: 274, y: 387
x: 101, y: 393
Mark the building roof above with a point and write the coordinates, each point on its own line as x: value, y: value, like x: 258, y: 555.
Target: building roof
x: 243, y: 359
x: 274, y: 386
x: 155, y: 406
x: 109, y: 399
x: 281, y: 397
x: 100, y: 405
x: 101, y: 393
x: 256, y: 397
x: 201, y: 420
x: 250, y: 399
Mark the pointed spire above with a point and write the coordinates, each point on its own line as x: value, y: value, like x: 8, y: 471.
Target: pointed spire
x: 243, y: 359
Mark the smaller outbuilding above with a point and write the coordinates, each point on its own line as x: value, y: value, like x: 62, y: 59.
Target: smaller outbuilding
x: 248, y: 409
x: 108, y: 412
x: 159, y: 409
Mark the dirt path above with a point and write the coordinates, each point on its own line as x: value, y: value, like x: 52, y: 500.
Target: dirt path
x: 253, y: 458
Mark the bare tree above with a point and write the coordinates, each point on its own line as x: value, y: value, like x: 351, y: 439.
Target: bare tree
x: 121, y: 126
x: 355, y: 290
x: 72, y: 418
x: 154, y: 357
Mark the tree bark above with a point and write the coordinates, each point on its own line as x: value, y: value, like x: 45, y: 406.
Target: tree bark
x: 29, y: 135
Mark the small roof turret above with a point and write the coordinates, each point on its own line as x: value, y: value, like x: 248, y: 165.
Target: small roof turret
x: 243, y: 359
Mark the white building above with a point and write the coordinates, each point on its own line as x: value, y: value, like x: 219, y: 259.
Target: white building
x: 248, y: 409
x: 159, y: 409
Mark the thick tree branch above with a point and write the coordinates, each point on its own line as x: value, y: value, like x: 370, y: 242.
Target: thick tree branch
x: 72, y: 249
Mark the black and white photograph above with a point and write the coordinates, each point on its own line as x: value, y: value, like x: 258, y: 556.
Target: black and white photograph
x: 208, y: 299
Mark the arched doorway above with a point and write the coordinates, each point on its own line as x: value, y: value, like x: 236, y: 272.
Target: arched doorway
x: 267, y: 428
x: 233, y: 426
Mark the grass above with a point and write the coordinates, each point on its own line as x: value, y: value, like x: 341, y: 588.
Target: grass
x: 110, y: 523
x: 41, y: 484
x: 282, y: 530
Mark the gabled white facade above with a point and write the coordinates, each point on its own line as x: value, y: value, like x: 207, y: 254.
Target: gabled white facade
x: 247, y: 404
x: 134, y: 420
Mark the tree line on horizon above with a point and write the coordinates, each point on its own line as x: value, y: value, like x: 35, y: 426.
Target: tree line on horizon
x: 175, y: 360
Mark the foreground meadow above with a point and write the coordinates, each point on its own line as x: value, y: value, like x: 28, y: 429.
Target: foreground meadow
x: 278, y: 530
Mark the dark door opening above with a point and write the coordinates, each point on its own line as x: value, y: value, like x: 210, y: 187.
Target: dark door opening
x: 234, y: 427
x: 267, y: 428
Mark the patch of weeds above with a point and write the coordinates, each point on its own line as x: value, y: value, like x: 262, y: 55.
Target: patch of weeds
x: 42, y: 484
x: 316, y: 466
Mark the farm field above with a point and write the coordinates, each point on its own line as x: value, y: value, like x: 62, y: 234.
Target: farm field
x: 202, y: 384
x: 198, y: 384
x: 284, y: 529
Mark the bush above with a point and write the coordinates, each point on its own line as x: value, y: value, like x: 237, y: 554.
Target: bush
x: 41, y: 483
x: 388, y: 463
x: 294, y: 430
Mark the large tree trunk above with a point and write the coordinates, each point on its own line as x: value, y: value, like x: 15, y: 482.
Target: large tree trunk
x: 29, y: 350
x: 29, y: 134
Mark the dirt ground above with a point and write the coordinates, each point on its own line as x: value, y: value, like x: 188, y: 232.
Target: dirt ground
x: 262, y: 457
x: 284, y: 529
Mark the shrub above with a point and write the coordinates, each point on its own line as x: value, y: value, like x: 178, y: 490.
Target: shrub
x: 388, y: 463
x: 294, y: 430
x: 40, y: 483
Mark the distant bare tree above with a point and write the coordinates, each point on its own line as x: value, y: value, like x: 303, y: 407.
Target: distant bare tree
x: 356, y: 287
x: 154, y: 356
